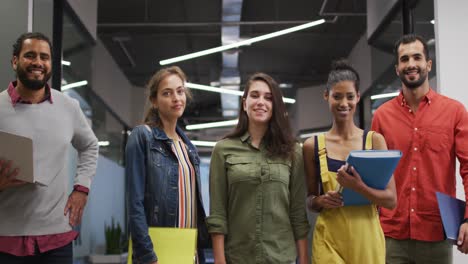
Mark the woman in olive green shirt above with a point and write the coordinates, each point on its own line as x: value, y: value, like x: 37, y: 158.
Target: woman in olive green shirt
x: 257, y: 188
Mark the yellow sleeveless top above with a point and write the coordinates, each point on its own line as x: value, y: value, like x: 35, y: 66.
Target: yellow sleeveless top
x: 349, y: 234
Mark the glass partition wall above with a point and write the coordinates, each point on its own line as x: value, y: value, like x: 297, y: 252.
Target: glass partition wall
x: 77, y: 83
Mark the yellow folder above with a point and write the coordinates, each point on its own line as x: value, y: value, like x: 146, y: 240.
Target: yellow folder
x: 172, y: 245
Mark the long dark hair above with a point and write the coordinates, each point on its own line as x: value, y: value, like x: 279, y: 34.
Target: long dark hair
x: 278, y: 139
x: 152, y: 116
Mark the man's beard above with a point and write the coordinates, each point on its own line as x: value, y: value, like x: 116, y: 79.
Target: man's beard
x: 32, y: 84
x: 414, y: 83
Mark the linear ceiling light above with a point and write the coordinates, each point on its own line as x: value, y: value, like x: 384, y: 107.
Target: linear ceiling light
x: 203, y: 143
x: 103, y: 143
x: 213, y: 89
x: 74, y: 85
x: 386, y: 95
x: 66, y: 63
x: 212, y: 124
x: 241, y: 43
x: 227, y: 91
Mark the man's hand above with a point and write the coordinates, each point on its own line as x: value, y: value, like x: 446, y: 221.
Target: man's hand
x: 75, y: 207
x: 462, y: 242
x: 8, y: 176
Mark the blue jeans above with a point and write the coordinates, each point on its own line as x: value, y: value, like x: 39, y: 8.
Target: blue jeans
x: 62, y: 255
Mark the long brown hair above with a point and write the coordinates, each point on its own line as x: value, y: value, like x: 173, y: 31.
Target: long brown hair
x: 278, y: 139
x: 152, y: 116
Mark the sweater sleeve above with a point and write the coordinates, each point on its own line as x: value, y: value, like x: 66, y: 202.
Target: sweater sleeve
x: 86, y: 143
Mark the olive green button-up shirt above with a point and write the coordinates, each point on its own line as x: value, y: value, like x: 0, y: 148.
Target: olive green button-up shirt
x: 257, y: 202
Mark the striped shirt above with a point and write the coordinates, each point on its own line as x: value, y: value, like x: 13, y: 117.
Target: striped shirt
x: 187, y: 192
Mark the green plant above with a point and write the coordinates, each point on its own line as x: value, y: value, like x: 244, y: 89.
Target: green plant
x: 113, y: 235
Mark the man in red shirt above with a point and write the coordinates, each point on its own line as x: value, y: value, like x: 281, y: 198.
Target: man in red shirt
x: 432, y: 131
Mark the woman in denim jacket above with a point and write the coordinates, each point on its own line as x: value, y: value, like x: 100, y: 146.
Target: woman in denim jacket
x: 162, y: 167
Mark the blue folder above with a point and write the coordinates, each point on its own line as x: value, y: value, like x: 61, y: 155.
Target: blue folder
x: 452, y: 212
x: 375, y: 167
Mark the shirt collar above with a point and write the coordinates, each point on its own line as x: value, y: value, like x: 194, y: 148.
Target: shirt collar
x: 16, y: 98
x: 245, y: 137
x: 428, y: 97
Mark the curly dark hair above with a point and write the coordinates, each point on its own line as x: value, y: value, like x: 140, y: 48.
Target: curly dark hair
x: 342, y: 71
x: 18, y: 45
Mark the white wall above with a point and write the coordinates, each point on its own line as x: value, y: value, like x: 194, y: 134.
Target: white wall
x: 451, y: 44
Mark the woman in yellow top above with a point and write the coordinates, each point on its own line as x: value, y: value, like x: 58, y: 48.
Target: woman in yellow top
x: 344, y: 234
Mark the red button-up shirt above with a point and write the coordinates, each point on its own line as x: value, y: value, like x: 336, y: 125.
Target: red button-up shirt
x: 27, y: 245
x: 431, y: 139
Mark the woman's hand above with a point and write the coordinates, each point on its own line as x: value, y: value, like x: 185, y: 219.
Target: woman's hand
x: 349, y: 178
x: 329, y: 200
x: 218, y: 248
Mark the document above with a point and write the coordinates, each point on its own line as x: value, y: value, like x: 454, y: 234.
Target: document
x: 452, y: 212
x: 172, y: 245
x: 19, y: 150
x: 375, y: 167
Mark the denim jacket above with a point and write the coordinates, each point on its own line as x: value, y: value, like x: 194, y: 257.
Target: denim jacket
x: 152, y: 172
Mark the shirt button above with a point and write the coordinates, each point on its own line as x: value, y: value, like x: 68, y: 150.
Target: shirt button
x: 415, y: 129
x: 412, y: 210
x: 410, y: 111
x: 413, y: 189
x: 415, y: 149
x: 414, y: 168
